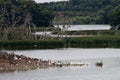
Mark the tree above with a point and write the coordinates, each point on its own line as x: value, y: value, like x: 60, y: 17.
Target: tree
x: 14, y: 12
x: 13, y: 17
x: 115, y: 17
x: 10, y: 15
x: 96, y: 9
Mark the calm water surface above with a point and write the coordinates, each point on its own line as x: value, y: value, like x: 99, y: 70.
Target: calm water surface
x: 87, y: 27
x: 76, y: 28
x: 110, y: 70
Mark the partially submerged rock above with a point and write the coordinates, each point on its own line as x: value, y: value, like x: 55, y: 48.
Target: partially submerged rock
x: 99, y: 64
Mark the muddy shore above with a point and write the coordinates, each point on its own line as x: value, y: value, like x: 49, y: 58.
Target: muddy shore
x: 13, y: 62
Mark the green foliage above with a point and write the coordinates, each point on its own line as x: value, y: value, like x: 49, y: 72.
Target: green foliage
x: 95, y: 32
x: 12, y: 10
x: 94, y: 42
x: 92, y: 33
x: 83, y: 20
x: 115, y: 17
x: 79, y: 42
x: 82, y: 5
x: 74, y: 10
x: 30, y: 44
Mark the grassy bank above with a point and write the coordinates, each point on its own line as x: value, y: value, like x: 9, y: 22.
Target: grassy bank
x: 75, y: 42
x: 94, y: 42
x: 20, y: 45
x: 93, y: 32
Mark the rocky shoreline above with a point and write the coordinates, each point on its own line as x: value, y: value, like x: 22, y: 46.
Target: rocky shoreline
x: 13, y: 62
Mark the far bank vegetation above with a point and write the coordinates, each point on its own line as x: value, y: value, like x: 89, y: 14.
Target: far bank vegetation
x: 17, y: 17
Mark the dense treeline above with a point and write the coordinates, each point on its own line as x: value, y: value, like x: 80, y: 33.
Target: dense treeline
x: 82, y: 11
x: 82, y: 5
x: 18, y: 16
x: 24, y: 12
x: 115, y: 18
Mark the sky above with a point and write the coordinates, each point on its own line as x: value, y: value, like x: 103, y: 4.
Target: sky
x: 42, y: 1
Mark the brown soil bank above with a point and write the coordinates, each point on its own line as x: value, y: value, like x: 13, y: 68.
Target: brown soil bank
x: 13, y: 62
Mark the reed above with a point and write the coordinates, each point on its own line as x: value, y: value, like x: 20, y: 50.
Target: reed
x: 94, y: 42
x: 93, y: 32
x: 75, y: 42
x: 31, y: 44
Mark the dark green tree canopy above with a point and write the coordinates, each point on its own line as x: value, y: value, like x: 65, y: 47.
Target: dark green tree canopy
x: 14, y: 12
x: 82, y: 5
x: 115, y: 17
x: 79, y: 10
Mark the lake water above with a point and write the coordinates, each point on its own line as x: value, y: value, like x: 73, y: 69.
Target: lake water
x: 76, y: 28
x: 86, y: 27
x: 109, y: 71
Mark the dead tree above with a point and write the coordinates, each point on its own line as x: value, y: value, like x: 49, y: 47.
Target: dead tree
x: 11, y: 17
x: 15, y: 19
x: 3, y: 24
x: 27, y: 22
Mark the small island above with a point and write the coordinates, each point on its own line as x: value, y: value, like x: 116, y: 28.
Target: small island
x: 10, y: 62
x: 14, y: 62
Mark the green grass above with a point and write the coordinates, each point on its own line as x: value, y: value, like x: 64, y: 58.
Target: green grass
x: 42, y: 29
x: 75, y: 42
x: 19, y: 45
x: 94, y: 42
x: 94, y: 32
